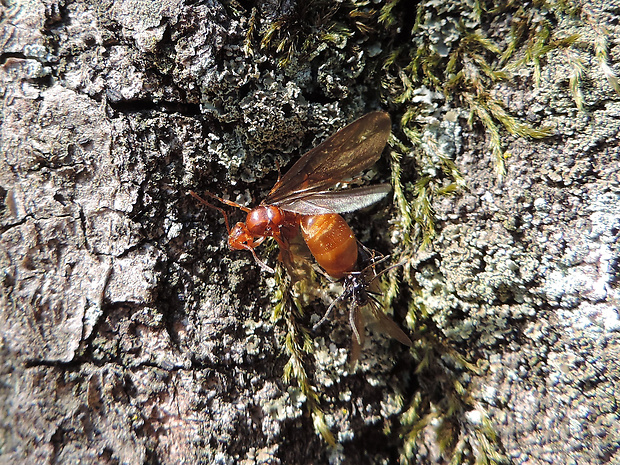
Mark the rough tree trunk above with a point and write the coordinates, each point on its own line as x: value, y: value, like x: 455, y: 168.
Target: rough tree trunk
x: 130, y: 334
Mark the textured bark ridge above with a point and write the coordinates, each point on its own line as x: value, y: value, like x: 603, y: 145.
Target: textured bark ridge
x: 130, y: 334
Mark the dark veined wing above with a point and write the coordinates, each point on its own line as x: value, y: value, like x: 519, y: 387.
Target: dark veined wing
x: 346, y: 200
x: 349, y: 151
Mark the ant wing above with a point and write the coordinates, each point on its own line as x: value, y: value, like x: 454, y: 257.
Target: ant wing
x: 387, y: 326
x: 346, y: 153
x: 343, y: 201
x: 356, y: 320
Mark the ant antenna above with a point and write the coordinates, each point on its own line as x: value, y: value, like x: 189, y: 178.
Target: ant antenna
x: 228, y: 202
x: 210, y: 205
x: 219, y: 199
x: 279, y: 173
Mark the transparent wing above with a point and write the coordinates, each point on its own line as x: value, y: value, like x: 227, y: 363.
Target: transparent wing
x: 344, y: 154
x: 387, y: 326
x: 343, y: 201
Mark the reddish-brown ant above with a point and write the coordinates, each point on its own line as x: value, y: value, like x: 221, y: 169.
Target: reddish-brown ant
x: 301, y: 197
x: 301, y: 200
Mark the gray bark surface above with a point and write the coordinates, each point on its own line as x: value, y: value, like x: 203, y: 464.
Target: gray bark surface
x: 130, y: 334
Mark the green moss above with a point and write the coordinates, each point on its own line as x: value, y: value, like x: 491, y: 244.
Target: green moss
x: 301, y: 34
x: 463, y: 433
x: 464, y: 69
x: 404, y: 209
x: 298, y: 346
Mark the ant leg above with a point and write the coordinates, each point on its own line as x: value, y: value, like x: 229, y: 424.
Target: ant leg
x: 323, y: 273
x: 382, y: 259
x: 354, y: 321
x: 210, y: 205
x: 385, y: 270
x: 328, y: 312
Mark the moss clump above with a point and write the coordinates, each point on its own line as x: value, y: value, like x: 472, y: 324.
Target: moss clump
x: 298, y: 346
x: 303, y: 32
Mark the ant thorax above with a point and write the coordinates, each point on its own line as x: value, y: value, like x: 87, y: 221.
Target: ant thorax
x: 265, y: 220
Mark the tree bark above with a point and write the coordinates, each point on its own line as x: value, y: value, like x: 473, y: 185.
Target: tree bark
x: 130, y: 334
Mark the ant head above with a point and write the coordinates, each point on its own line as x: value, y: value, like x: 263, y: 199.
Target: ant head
x: 264, y: 220
x: 240, y: 238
